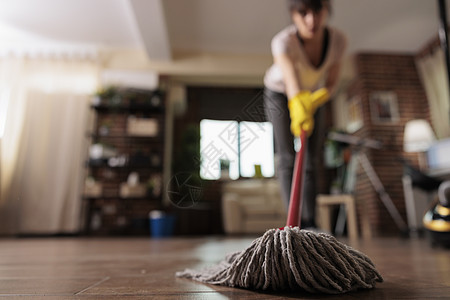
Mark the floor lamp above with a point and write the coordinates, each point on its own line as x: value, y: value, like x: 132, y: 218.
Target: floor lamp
x: 418, y: 137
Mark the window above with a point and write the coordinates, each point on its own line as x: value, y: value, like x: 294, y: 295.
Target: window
x: 235, y: 148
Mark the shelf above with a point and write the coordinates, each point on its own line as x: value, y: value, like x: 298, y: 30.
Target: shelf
x: 146, y: 198
x: 128, y: 108
x: 127, y: 166
x: 150, y: 139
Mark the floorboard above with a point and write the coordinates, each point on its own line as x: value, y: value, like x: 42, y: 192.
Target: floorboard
x: 144, y: 268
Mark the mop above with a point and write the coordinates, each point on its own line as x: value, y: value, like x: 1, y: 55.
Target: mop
x: 290, y: 258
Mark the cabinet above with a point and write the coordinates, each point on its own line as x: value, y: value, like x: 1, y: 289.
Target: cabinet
x: 124, y: 169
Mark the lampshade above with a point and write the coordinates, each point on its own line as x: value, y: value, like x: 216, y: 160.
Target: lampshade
x: 418, y: 136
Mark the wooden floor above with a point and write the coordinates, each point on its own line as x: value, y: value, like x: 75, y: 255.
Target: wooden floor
x: 142, y: 268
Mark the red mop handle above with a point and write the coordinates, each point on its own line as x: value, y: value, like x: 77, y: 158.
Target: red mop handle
x: 295, y: 202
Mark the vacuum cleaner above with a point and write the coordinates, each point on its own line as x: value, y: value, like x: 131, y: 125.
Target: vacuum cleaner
x: 437, y: 219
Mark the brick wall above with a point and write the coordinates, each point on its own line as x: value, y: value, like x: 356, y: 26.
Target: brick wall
x: 398, y: 74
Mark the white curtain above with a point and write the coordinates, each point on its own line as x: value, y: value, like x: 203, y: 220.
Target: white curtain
x: 44, y: 144
x: 433, y: 72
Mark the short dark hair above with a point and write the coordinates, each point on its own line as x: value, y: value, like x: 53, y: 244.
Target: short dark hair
x: 302, y: 5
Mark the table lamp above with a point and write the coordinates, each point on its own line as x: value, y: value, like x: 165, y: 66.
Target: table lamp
x: 418, y: 137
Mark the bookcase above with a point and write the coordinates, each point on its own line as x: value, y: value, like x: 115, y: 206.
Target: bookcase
x: 124, y: 168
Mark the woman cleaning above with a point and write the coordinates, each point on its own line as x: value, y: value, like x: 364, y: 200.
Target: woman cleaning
x: 307, y: 58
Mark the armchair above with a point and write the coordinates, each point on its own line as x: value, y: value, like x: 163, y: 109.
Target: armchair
x: 252, y: 206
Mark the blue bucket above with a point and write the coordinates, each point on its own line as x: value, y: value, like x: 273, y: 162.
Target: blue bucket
x: 161, y: 225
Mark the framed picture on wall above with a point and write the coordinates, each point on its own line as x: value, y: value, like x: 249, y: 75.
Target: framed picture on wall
x: 354, y: 114
x: 384, y: 107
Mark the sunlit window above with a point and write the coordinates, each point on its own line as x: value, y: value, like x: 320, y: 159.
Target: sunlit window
x: 236, y: 149
x: 256, y: 148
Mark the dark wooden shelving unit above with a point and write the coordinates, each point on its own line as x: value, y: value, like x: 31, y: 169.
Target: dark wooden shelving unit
x: 107, y: 211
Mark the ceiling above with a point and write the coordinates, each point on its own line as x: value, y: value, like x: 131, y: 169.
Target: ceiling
x: 166, y: 27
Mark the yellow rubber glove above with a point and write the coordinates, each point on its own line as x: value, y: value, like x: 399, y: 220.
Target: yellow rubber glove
x: 302, y: 108
x: 300, y: 116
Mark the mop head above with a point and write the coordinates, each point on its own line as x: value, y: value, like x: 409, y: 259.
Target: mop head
x: 293, y: 259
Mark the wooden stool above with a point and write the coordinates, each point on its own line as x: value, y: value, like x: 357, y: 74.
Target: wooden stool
x: 325, y: 201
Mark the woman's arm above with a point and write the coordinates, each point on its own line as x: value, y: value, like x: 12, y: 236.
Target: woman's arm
x: 290, y: 77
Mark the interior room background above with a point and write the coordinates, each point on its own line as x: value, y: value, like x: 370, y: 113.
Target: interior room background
x: 47, y: 102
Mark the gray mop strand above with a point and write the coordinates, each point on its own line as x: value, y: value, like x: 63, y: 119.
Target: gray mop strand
x: 293, y: 259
